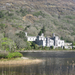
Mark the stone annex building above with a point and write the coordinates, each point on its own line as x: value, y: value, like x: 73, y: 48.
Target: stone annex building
x: 49, y: 41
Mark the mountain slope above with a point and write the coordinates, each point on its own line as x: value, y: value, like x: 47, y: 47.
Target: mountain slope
x: 57, y: 16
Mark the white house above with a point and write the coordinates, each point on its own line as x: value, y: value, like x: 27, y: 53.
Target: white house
x: 54, y: 41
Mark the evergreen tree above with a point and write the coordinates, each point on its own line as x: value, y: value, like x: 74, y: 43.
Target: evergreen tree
x: 42, y: 30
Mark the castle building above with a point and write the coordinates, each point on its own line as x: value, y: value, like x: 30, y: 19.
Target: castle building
x: 54, y: 41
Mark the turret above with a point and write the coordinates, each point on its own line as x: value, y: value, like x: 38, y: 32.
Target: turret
x: 53, y: 34
x: 42, y: 34
x: 26, y: 34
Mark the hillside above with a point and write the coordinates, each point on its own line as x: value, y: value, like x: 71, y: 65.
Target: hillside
x: 18, y: 16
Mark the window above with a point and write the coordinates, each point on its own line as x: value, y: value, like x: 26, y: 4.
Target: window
x: 30, y: 38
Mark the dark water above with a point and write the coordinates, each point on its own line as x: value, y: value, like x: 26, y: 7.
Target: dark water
x: 56, y: 63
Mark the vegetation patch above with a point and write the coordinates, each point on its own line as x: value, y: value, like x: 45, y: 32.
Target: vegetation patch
x: 19, y: 62
x: 9, y: 55
x: 1, y: 14
x: 42, y: 31
x: 2, y: 26
x: 31, y: 17
x: 14, y: 55
x: 7, y: 44
x: 70, y: 17
x: 39, y: 13
x: 23, y: 11
x: 21, y: 34
x: 3, y: 54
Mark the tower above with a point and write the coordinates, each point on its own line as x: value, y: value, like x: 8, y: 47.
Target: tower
x: 26, y: 34
x: 42, y: 34
x: 53, y: 34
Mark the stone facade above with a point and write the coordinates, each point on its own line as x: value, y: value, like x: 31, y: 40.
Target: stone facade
x: 48, y: 41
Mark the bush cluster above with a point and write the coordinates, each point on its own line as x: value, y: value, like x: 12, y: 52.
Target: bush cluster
x: 2, y: 26
x: 21, y: 35
x: 14, y: 55
x: 3, y: 54
x: 1, y: 14
x: 10, y: 55
x: 24, y: 11
x: 43, y: 30
x: 70, y: 17
x: 33, y: 46
x: 7, y: 44
x: 39, y: 13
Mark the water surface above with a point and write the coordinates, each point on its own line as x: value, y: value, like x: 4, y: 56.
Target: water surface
x: 56, y: 63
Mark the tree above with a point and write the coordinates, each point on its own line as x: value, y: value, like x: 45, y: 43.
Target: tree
x: 1, y: 14
x: 2, y: 26
x: 22, y: 35
x: 74, y: 43
x: 20, y: 43
x: 42, y: 30
x: 7, y: 44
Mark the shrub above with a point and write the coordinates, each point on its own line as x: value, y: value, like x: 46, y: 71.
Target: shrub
x: 24, y: 11
x: 1, y: 14
x: 59, y: 48
x: 73, y: 33
x: 7, y: 44
x: 36, y: 46
x: 2, y: 26
x: 22, y: 35
x: 41, y: 47
x: 74, y: 43
x: 73, y: 48
x: 52, y: 47
x: 20, y: 43
x: 46, y: 48
x: 42, y: 31
x: 3, y: 54
x: 27, y: 27
x: 70, y: 16
x: 14, y: 55
x: 10, y: 14
x: 40, y: 13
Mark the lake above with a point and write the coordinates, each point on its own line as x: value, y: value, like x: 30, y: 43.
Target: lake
x: 55, y: 63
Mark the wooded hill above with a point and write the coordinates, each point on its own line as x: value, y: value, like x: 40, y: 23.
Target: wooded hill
x: 18, y: 16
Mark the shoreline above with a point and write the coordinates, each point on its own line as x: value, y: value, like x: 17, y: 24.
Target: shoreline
x: 19, y: 62
x: 27, y: 61
x: 48, y: 51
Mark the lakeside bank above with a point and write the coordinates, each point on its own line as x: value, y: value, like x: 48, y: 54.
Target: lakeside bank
x: 48, y: 51
x: 19, y: 62
x: 27, y: 61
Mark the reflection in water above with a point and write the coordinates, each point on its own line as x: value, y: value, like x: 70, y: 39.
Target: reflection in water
x: 54, y: 64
